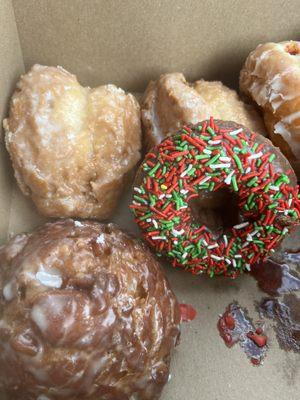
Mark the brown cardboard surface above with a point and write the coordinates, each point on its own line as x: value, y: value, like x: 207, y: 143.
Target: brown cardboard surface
x: 11, y: 64
x: 128, y: 43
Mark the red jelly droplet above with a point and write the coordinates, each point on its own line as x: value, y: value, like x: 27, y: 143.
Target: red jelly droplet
x: 259, y: 331
x: 230, y: 323
x: 259, y: 340
x: 188, y: 313
x: 227, y: 338
x: 255, y: 361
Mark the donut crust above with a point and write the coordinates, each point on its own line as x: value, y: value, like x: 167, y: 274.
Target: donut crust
x: 86, y: 312
x: 171, y: 102
x: 271, y: 78
x: 72, y: 147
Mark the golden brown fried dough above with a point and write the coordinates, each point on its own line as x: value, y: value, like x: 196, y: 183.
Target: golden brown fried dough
x: 271, y: 78
x: 72, y: 147
x: 171, y: 102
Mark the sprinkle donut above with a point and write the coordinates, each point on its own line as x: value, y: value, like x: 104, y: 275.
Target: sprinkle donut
x: 198, y: 163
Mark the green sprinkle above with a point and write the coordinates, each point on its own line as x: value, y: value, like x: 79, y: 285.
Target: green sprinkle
x: 234, y: 184
x: 140, y: 199
x: 154, y: 169
x: 146, y: 216
x: 252, y: 181
x: 211, y: 186
x: 202, y: 156
x: 211, y: 131
x: 274, y: 205
x: 238, y: 163
x: 212, y: 160
x: 271, y: 158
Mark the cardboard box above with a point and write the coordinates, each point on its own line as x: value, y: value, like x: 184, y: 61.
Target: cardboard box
x: 128, y: 43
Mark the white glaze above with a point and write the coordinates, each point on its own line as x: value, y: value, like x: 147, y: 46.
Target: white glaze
x: 49, y: 279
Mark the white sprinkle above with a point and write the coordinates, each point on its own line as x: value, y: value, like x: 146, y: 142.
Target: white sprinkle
x: 155, y: 223
x: 148, y: 219
x: 206, y: 151
x: 184, y: 191
x: 138, y: 190
x: 228, y: 261
x: 225, y: 240
x: 203, y: 258
x: 175, y: 241
x: 254, y: 233
x: 207, y: 178
x: 214, y: 141
x: 228, y: 178
x: 177, y: 233
x: 290, y: 202
x: 248, y: 170
x: 100, y: 239
x: 245, y: 244
x: 182, y: 207
x: 159, y: 238
x: 186, y: 171
x: 238, y: 256
x: 254, y: 156
x: 78, y: 223
x: 135, y: 202
x: 248, y: 267
x: 234, y: 263
x: 241, y: 226
x: 273, y: 187
x: 213, y: 246
x: 225, y: 159
x: 161, y: 196
x: 184, y: 255
x: 215, y: 166
x: 48, y: 279
x: 286, y: 212
x: 217, y: 258
x: 249, y: 238
x: 285, y: 230
x: 236, y: 132
x: 168, y: 196
x: 204, y: 242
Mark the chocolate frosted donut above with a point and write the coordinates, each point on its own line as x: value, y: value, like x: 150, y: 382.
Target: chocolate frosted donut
x: 215, y: 198
x: 85, y: 313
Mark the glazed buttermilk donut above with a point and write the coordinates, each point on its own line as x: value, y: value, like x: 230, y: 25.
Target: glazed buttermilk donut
x: 203, y: 163
x: 271, y: 77
x: 85, y: 313
x: 171, y: 102
x: 63, y: 139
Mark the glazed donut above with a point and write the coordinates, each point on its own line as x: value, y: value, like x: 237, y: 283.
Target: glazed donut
x: 85, y: 312
x: 271, y: 78
x: 216, y: 164
x: 171, y: 102
x: 64, y: 138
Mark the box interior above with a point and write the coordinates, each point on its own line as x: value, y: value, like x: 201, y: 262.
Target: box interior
x: 129, y: 43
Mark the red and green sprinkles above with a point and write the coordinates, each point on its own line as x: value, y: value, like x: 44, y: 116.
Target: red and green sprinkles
x: 206, y: 157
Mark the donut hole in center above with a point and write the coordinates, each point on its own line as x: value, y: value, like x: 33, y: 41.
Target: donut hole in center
x: 218, y: 211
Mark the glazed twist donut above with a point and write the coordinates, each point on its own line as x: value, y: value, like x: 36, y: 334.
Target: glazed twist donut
x: 271, y: 77
x: 201, y: 162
